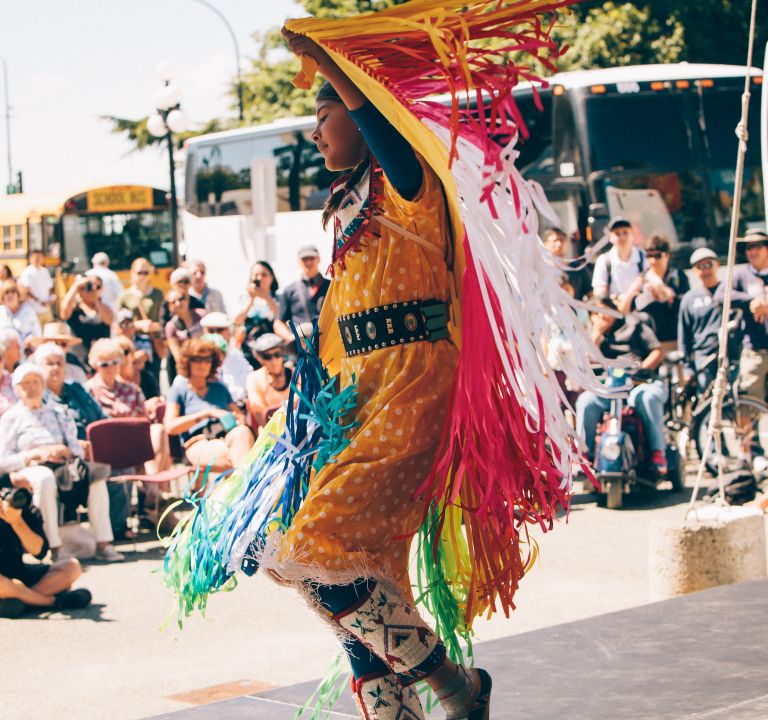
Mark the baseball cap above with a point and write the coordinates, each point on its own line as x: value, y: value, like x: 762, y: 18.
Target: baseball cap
x: 619, y: 222
x: 215, y: 320
x: 702, y: 254
x: 124, y: 315
x: 100, y: 258
x: 180, y: 274
x: 218, y: 341
x: 308, y: 251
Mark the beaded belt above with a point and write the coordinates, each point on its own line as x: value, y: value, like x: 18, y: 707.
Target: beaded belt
x: 395, y: 324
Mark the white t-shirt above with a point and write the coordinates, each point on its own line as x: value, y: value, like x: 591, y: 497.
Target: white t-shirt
x: 111, y: 287
x: 40, y: 283
x: 622, y: 273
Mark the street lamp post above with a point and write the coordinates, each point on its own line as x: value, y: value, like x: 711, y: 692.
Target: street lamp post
x: 218, y: 12
x: 168, y: 119
x: 7, y: 124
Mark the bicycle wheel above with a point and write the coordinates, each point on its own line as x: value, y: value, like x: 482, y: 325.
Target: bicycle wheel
x: 744, y: 434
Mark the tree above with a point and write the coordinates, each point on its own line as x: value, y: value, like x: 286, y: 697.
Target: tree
x: 136, y: 131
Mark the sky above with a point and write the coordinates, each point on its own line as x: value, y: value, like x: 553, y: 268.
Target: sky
x: 72, y: 62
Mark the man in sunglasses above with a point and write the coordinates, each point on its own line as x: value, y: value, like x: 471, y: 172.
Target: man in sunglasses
x: 701, y: 314
x: 751, y: 280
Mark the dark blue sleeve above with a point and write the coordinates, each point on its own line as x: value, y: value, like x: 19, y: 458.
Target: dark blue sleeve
x: 393, y: 152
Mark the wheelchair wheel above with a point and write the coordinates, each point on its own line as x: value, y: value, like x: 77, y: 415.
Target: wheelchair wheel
x: 744, y: 434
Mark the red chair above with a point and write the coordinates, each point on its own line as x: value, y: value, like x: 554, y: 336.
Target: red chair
x: 127, y: 443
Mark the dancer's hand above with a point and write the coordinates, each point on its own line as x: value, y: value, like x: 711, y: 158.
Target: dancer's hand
x: 302, y: 45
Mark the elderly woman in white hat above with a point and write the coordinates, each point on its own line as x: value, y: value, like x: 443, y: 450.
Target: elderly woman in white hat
x: 270, y: 385
x: 35, y: 436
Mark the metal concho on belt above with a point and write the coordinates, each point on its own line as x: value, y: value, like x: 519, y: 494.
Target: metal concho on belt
x: 395, y: 324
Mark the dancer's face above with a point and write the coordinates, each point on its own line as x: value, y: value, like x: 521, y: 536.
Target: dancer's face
x: 338, y: 138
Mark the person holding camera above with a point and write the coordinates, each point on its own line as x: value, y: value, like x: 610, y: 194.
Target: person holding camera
x: 26, y: 584
x: 39, y: 445
x: 258, y: 309
x: 88, y: 317
x: 200, y: 409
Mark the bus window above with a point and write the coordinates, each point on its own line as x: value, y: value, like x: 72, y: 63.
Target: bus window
x: 18, y: 238
x: 6, y: 238
x: 536, y: 149
x: 35, y: 235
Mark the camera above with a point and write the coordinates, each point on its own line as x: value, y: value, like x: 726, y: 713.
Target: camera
x: 18, y: 498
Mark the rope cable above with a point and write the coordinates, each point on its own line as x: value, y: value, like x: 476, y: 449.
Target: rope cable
x: 714, y: 431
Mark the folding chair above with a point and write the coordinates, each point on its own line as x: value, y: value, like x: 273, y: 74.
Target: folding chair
x: 127, y: 443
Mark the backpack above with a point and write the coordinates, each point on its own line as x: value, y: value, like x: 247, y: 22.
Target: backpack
x: 740, y: 485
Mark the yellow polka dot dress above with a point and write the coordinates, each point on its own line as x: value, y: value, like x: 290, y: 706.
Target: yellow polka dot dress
x: 359, y: 513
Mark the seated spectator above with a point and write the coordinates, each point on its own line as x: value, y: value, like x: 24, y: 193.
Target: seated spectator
x: 270, y: 385
x: 631, y: 340
x: 59, y: 334
x: 212, y: 300
x: 145, y: 303
x: 12, y: 355
x: 88, y: 317
x: 7, y: 397
x: 658, y: 291
x: 36, y: 585
x: 258, y: 308
x: 120, y: 399
x: 181, y: 281
x: 623, y: 264
x: 235, y: 368
x: 37, y: 436
x: 5, y: 273
x: 195, y: 399
x: 111, y: 286
x: 17, y: 314
x: 558, y: 243
x: 133, y: 370
x: 183, y: 325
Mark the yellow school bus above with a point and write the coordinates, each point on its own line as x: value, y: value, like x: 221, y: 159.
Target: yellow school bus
x: 124, y: 221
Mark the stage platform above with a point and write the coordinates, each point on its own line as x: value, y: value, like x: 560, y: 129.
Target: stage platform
x: 699, y: 656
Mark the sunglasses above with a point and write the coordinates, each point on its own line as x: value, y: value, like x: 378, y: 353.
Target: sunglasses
x: 127, y: 352
x: 183, y: 281
x: 62, y: 344
x: 178, y: 300
x: 142, y: 272
x: 126, y: 323
x: 755, y: 246
x: 653, y: 254
x: 704, y: 265
x: 272, y: 355
x: 108, y: 363
x: 201, y: 359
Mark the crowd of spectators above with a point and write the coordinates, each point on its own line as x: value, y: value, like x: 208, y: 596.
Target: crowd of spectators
x: 206, y: 381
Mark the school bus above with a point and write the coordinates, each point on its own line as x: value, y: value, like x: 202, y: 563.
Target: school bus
x: 125, y: 221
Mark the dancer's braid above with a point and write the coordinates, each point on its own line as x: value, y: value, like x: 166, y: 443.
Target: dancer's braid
x: 334, y: 200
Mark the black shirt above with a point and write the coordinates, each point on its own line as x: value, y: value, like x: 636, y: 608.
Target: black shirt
x: 165, y: 309
x: 302, y: 301
x: 11, y: 549
x: 630, y: 339
x: 88, y: 327
x: 665, y: 314
x: 751, y: 284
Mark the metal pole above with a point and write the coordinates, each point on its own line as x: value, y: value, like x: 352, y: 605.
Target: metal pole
x: 213, y: 8
x: 174, y: 202
x: 7, y: 122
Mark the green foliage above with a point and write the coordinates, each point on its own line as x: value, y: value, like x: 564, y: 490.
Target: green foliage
x: 136, y: 132
x: 618, y: 34
x: 345, y: 8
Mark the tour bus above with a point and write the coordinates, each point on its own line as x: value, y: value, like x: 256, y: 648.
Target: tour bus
x: 125, y: 221
x: 653, y: 143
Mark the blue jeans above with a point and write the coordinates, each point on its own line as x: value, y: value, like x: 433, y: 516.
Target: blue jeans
x: 647, y: 399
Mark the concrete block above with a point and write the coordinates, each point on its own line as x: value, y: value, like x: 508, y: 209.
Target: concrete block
x: 715, y: 546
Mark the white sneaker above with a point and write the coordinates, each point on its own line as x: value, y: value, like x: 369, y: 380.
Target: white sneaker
x: 109, y: 554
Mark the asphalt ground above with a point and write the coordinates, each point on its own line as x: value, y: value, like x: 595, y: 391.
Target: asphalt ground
x: 125, y: 657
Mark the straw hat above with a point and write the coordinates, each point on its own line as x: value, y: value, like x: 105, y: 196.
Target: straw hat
x: 57, y: 332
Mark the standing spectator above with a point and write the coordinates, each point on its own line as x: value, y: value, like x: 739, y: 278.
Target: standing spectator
x: 7, y: 396
x: 38, y: 283
x: 270, y: 385
x: 39, y: 585
x: 181, y: 281
x: 751, y: 279
x: 660, y: 294
x: 701, y: 315
x: 212, y: 300
x: 82, y: 308
x: 111, y: 287
x: 557, y: 242
x: 620, y: 267
x: 195, y: 400
x: 12, y: 341
x: 302, y: 301
x: 119, y: 399
x: 145, y: 303
x: 18, y: 315
x: 259, y: 308
x: 632, y: 341
x: 234, y: 368
x: 183, y: 324
x: 5, y: 273
x: 32, y: 433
